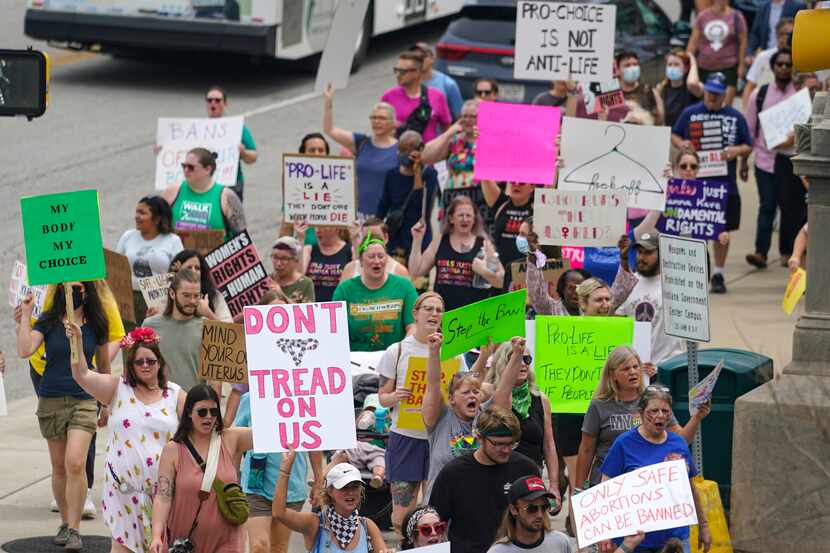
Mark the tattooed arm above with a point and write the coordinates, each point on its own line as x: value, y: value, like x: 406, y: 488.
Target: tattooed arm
x: 165, y: 491
x: 232, y: 209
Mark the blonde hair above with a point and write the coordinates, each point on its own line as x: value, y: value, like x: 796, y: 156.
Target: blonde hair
x: 588, y: 287
x: 460, y: 378
x: 500, y: 360
x: 607, y: 388
x: 424, y: 297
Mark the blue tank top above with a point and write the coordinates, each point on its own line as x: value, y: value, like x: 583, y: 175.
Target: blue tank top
x: 325, y: 543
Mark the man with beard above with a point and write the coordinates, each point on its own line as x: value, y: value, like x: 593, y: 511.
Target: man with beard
x: 526, y: 525
x: 180, y: 328
x: 641, y: 295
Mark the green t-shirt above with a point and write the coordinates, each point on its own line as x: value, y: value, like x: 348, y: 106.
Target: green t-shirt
x: 199, y: 210
x: 377, y: 318
x: 179, y: 345
x: 301, y: 291
x: 248, y: 142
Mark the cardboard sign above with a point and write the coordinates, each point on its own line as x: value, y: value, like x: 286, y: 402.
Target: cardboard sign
x: 702, y: 391
x: 500, y: 318
x: 336, y: 62
x: 237, y: 272
x: 119, y: 279
x: 409, y: 411
x: 612, y: 99
x: 707, y: 139
x: 319, y: 190
x: 516, y: 143
x: 300, y: 378
x: 654, y: 497
x: 154, y: 289
x: 564, y: 41
x: 221, y: 135
x: 551, y: 272
x: 579, y: 218
x: 695, y: 208
x: 202, y: 241
x: 796, y: 287
x: 62, y: 234
x: 18, y: 289
x: 437, y: 548
x: 570, y: 353
x: 602, y: 156
x: 222, y: 353
x: 685, y: 281
x: 779, y: 120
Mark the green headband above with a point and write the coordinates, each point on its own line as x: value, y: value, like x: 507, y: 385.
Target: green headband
x: 368, y: 242
x: 501, y: 431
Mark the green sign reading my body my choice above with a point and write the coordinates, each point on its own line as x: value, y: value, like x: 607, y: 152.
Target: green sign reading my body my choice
x: 62, y: 234
x: 570, y: 354
x: 500, y: 318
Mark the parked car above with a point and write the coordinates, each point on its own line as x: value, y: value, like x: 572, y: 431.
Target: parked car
x: 480, y: 43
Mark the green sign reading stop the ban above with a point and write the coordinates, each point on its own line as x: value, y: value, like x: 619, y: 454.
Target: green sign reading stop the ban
x: 62, y: 234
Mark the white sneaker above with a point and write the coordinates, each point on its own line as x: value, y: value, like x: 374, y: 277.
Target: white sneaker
x: 89, y: 509
x: 54, y: 507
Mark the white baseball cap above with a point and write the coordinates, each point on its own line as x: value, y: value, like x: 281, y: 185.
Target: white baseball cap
x: 341, y: 475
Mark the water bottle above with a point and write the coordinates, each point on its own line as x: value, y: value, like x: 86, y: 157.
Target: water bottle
x: 380, y: 420
x: 478, y: 280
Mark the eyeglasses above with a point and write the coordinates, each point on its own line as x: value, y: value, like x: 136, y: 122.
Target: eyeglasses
x: 146, y: 362
x: 657, y: 388
x: 429, y: 530
x: 485, y: 92
x: 210, y: 100
x: 688, y: 166
x: 511, y: 445
x: 203, y: 412
x: 379, y: 118
x: 281, y: 259
x: 783, y: 64
x: 188, y: 167
x: 403, y: 70
x: 534, y: 508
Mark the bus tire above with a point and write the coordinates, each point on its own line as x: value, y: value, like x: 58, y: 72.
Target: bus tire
x: 362, y: 47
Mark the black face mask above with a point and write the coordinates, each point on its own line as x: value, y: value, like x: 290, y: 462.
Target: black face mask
x: 78, y: 297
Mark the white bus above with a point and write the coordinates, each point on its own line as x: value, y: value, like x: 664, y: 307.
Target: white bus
x: 285, y: 29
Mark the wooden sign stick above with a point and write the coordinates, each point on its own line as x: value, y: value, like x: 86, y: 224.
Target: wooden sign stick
x: 70, y: 316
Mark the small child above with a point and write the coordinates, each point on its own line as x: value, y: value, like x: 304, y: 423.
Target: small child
x: 367, y: 456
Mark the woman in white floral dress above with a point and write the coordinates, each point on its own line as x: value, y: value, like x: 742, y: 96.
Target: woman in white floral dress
x: 145, y: 410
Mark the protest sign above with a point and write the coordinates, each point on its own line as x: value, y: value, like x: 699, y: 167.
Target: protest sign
x: 551, y: 272
x: 409, y: 410
x: 319, y: 190
x: 576, y: 218
x: 119, y: 279
x: 642, y: 340
x: 516, y: 143
x: 779, y: 120
x: 19, y: 289
x: 564, y: 41
x: 702, y: 391
x: 570, y: 353
x: 154, y: 289
x: 62, y: 234
x: 500, y: 318
x: 222, y: 352
x: 684, y: 276
x: 695, y: 208
x: 338, y: 56
x: 574, y: 254
x: 202, y: 241
x: 796, y: 287
x: 300, y: 379
x: 436, y: 548
x: 707, y: 139
x: 654, y: 497
x: 613, y: 99
x: 221, y: 135
x: 602, y: 156
x: 237, y: 272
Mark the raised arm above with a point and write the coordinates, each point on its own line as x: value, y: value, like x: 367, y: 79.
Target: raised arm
x: 491, y: 192
x: 688, y: 432
x: 693, y: 83
x: 342, y: 137
x: 433, y: 398
x: 100, y: 386
x: 438, y: 149
x: 503, y: 396
x: 306, y: 524
x: 28, y: 340
x: 420, y: 263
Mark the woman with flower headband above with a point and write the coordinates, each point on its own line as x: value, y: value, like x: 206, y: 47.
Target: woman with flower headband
x: 380, y: 304
x: 145, y: 413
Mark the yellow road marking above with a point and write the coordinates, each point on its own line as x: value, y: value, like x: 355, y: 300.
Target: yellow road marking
x: 68, y: 58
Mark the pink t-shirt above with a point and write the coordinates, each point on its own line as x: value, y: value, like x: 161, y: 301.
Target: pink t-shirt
x: 719, y: 32
x: 404, y: 105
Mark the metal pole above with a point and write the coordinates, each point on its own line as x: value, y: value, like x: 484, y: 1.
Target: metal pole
x: 694, y: 378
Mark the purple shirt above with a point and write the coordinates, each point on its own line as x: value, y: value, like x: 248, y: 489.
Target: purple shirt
x: 764, y: 157
x: 404, y: 105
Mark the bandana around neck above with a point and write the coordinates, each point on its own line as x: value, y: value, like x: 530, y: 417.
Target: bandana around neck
x: 344, y: 528
x: 521, y: 399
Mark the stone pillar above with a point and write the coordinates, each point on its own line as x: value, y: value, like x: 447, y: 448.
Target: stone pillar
x: 781, y: 449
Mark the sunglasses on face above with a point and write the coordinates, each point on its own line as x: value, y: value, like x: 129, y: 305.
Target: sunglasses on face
x: 429, y: 530
x: 146, y: 362
x: 204, y: 411
x: 210, y: 100
x: 527, y: 359
x: 534, y: 508
x: 188, y: 167
x: 688, y: 166
x: 403, y: 70
x: 484, y: 92
x: 783, y: 64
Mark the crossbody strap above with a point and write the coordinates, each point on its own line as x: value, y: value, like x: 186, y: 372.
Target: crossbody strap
x: 212, y: 462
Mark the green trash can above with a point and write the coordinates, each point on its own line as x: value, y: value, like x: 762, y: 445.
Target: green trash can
x: 742, y: 371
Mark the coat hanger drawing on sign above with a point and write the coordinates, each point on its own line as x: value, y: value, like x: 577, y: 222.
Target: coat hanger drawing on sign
x: 587, y: 172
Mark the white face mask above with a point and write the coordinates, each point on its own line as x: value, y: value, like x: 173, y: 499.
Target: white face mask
x: 631, y: 74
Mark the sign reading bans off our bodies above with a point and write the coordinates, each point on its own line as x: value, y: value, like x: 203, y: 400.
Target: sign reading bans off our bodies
x: 237, y: 271
x: 300, y: 378
x: 564, y: 41
x: 319, y: 190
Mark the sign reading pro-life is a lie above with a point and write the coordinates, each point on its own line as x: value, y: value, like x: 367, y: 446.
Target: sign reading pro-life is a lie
x: 300, y: 377
x: 685, y: 281
x: 564, y: 41
x: 319, y: 190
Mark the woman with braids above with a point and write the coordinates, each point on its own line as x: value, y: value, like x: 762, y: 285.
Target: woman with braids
x: 422, y: 526
x: 145, y: 411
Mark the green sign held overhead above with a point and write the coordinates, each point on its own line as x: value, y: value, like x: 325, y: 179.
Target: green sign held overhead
x: 500, y: 318
x: 570, y: 354
x: 62, y: 234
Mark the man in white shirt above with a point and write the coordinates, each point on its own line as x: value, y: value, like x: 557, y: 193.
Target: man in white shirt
x: 760, y: 72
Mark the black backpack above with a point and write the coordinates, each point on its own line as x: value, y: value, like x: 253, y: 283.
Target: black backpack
x: 419, y: 118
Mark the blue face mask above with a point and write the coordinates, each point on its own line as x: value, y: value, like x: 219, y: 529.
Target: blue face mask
x: 522, y: 245
x: 674, y: 73
x: 404, y: 160
x: 631, y: 74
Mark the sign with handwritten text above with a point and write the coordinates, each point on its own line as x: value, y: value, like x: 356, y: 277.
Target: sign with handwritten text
x: 19, y: 289
x: 778, y: 121
x: 516, y: 143
x: 500, y: 318
x: 695, y: 208
x: 319, y: 190
x: 409, y: 410
x: 796, y: 287
x: 579, y: 218
x: 236, y: 270
x: 154, y: 289
x: 564, y: 41
x: 570, y: 353
x: 551, y: 272
x: 222, y: 352
x: 654, y: 497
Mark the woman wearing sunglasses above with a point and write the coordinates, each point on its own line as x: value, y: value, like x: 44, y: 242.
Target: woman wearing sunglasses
x: 423, y: 526
x: 180, y: 511
x: 145, y: 411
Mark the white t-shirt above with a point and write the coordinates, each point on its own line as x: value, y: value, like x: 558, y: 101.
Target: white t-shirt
x: 395, y: 369
x: 148, y: 257
x: 645, y: 303
x: 554, y: 542
x: 760, y: 72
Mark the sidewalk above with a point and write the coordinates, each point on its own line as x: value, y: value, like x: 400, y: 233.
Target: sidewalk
x: 748, y: 317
